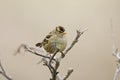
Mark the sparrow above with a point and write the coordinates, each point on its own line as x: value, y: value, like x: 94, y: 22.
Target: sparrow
x: 55, y: 40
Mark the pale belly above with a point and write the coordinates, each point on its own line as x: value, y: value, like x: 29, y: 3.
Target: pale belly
x: 52, y: 46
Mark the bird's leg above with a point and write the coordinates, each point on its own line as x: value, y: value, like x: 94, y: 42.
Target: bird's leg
x: 62, y: 54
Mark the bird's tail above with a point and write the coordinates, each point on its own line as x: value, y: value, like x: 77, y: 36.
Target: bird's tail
x: 38, y: 45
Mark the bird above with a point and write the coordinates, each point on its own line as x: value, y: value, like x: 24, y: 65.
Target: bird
x: 55, y: 40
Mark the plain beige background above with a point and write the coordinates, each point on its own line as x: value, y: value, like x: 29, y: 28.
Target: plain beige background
x: 28, y: 21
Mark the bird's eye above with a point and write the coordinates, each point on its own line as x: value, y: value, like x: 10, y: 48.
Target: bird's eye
x: 61, y: 29
x: 48, y: 36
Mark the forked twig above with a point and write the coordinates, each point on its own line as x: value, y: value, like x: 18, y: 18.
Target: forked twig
x: 79, y: 33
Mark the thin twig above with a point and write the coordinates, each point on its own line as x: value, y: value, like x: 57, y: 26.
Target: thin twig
x: 116, y: 75
x: 57, y: 64
x: 2, y: 68
x: 48, y: 67
x: 53, y: 68
x: 4, y: 73
x: 68, y: 74
x: 45, y: 56
x: 117, y: 72
x: 53, y: 56
x: 79, y: 33
x: 112, y: 37
x: 31, y: 50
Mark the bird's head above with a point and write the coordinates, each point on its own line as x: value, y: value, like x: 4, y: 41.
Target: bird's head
x: 60, y: 30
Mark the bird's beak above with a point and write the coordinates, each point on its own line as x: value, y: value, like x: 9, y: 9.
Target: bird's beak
x: 63, y: 33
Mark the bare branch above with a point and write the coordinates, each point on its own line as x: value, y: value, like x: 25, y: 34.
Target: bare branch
x: 2, y: 68
x: 53, y: 56
x: 116, y: 75
x: 117, y: 72
x: 70, y: 70
x: 46, y: 63
x: 53, y: 62
x: 4, y: 73
x: 79, y: 33
x: 112, y: 37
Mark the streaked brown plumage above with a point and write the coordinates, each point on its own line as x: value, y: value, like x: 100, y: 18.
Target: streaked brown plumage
x: 54, y: 40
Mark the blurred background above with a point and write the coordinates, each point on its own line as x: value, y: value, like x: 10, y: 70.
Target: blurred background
x: 28, y: 21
